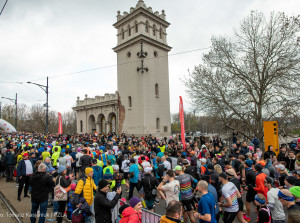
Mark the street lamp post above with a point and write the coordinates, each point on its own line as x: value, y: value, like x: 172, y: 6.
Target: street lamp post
x: 16, y: 104
x: 44, y: 88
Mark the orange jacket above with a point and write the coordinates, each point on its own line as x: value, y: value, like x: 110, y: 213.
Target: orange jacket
x: 260, y: 185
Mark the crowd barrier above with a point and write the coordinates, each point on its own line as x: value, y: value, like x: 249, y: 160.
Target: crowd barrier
x: 150, y: 217
x: 147, y: 216
x: 115, y: 211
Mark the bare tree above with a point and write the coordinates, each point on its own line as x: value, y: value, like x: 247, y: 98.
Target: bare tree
x: 69, y: 122
x: 252, y: 76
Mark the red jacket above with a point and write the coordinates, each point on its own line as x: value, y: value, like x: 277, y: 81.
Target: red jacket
x: 131, y: 216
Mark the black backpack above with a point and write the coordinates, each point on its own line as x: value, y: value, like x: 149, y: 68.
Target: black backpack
x: 160, y: 169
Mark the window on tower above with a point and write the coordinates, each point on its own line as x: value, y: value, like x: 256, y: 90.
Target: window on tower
x: 160, y: 33
x: 156, y: 90
x: 81, y: 126
x: 129, y: 102
x: 129, y: 30
x: 154, y: 30
x: 122, y: 33
x: 136, y: 27
x: 147, y: 27
x: 157, y: 124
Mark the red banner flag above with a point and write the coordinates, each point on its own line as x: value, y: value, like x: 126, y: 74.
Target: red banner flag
x: 60, y: 127
x: 181, y: 115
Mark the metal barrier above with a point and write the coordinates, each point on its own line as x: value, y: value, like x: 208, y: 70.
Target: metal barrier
x: 115, y: 210
x: 150, y: 217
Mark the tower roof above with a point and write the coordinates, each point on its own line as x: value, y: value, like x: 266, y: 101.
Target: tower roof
x: 141, y: 8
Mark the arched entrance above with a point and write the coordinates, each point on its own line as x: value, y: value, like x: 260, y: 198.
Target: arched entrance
x: 112, y: 122
x: 91, y: 124
x: 102, y: 123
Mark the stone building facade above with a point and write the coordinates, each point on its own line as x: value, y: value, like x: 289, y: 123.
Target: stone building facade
x: 141, y: 106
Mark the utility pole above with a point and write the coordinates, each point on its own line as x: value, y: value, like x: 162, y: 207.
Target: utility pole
x: 16, y: 113
x: 46, y: 90
x: 47, y: 108
x: 16, y: 118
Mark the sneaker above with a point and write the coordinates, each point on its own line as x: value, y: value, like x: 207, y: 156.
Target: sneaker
x: 156, y: 201
x: 246, y: 218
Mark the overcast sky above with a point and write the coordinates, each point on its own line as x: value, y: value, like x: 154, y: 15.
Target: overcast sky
x: 40, y: 38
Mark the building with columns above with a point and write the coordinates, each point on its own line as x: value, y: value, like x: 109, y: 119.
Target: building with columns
x: 141, y: 106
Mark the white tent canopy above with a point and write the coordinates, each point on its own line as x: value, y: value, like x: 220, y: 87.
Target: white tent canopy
x: 6, y: 126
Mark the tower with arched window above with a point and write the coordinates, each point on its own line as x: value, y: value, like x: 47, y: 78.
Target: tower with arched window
x: 144, y: 96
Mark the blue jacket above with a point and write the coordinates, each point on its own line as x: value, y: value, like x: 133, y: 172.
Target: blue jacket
x: 112, y: 158
x: 9, y: 158
x: 98, y: 174
x: 21, y: 169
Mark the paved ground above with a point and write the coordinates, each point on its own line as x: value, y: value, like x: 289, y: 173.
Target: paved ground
x: 5, y: 214
x: 23, y: 207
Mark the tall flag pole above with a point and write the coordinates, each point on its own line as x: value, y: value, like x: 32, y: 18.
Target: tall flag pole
x: 60, y: 127
x: 181, y: 115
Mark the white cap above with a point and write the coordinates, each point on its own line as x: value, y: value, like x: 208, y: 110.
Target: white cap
x: 203, y: 160
x: 147, y: 169
x: 280, y: 166
x: 203, y: 146
x: 115, y: 167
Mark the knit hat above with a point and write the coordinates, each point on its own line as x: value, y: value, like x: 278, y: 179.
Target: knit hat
x: 134, y: 201
x: 295, y: 191
x: 218, y: 155
x: 25, y: 154
x: 73, y: 186
x: 102, y: 183
x: 88, y: 170
x: 249, y: 163
x: 291, y: 180
x: 61, y: 169
x: 78, y: 150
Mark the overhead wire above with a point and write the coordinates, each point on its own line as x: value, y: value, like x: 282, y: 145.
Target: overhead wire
x: 114, y: 65
x: 3, y: 7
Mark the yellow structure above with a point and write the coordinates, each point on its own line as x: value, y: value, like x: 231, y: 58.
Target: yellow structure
x: 271, y: 135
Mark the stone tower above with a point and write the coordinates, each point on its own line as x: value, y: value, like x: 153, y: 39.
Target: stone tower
x: 143, y: 73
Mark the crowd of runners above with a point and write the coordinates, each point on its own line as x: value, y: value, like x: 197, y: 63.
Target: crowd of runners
x: 81, y: 178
